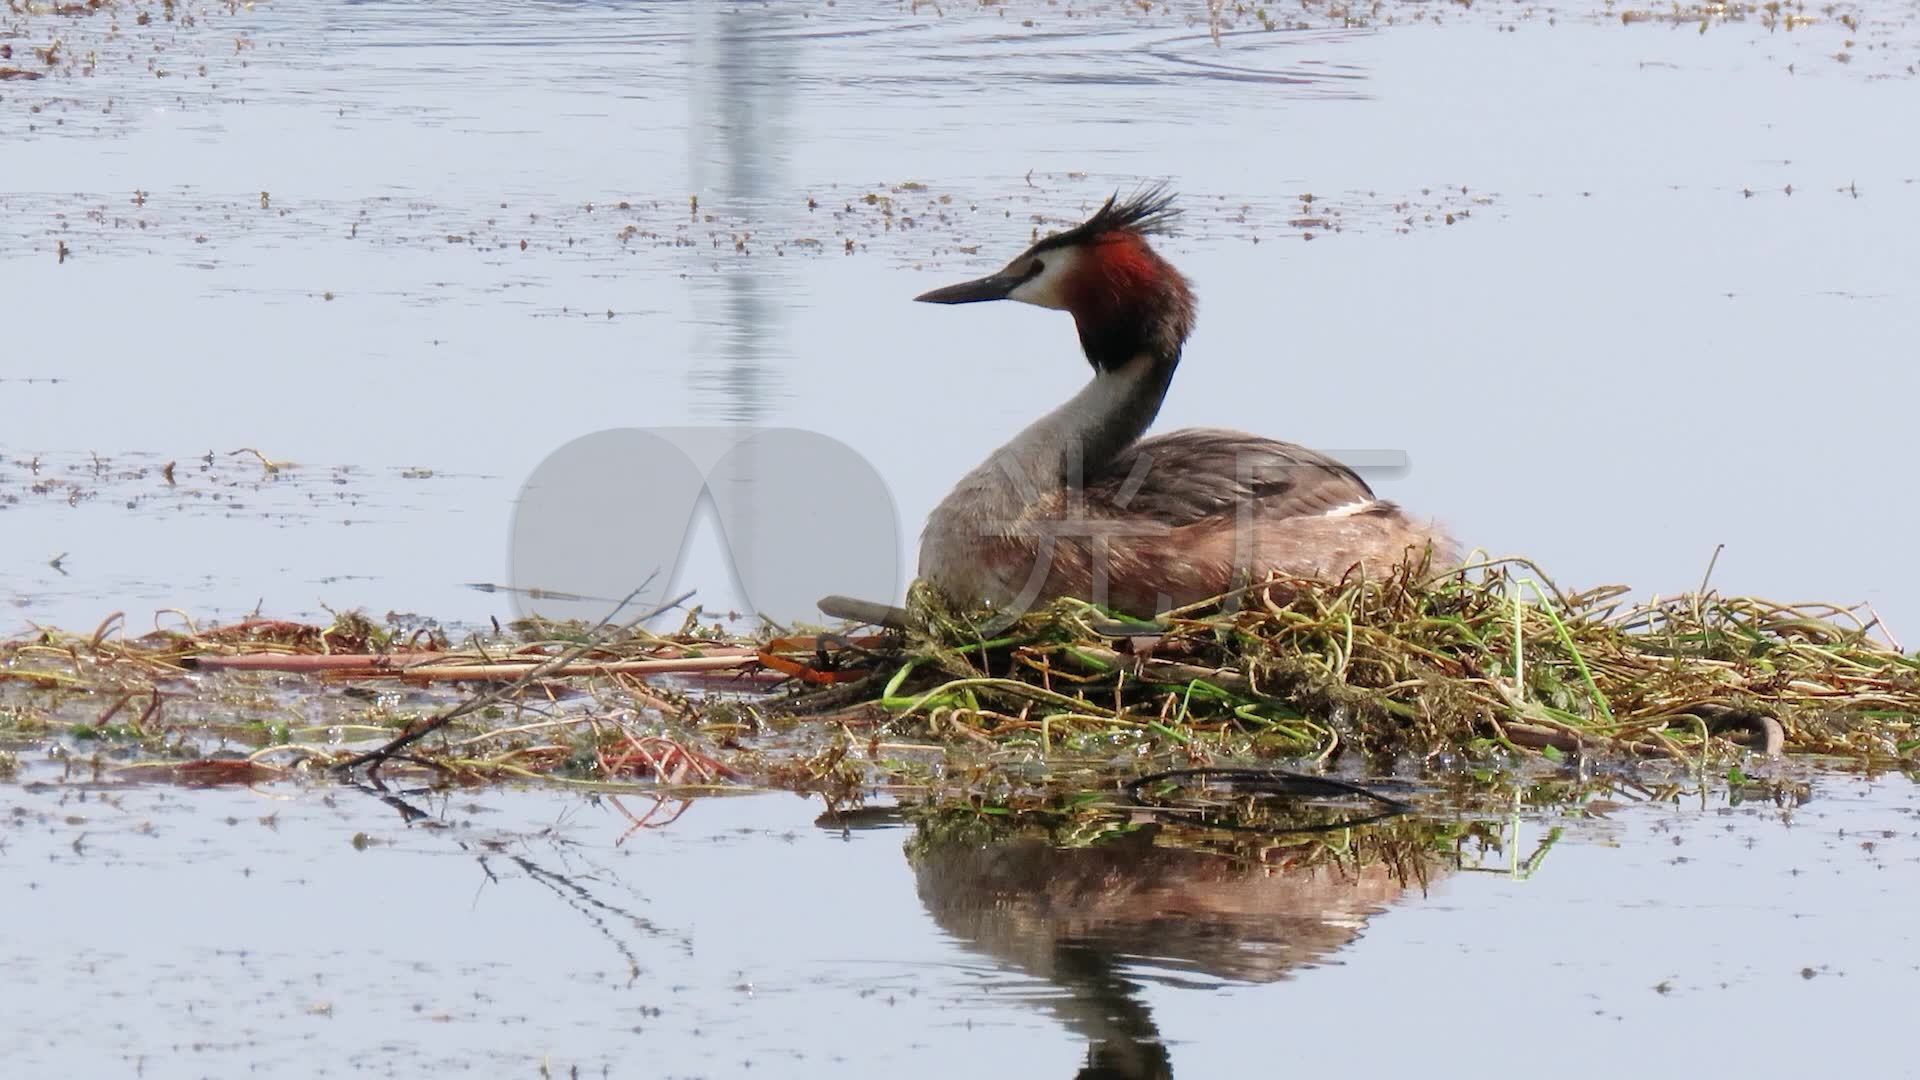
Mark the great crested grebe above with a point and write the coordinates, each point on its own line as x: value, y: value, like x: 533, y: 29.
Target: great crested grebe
x: 1080, y: 505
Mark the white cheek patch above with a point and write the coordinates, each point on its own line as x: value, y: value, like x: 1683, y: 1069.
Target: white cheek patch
x: 1045, y: 288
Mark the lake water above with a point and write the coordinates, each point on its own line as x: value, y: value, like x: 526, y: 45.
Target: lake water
x: 1636, y: 345
x: 1603, y: 290
x: 160, y: 932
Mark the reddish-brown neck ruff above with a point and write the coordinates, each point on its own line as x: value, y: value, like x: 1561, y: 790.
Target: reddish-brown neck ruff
x: 1127, y: 300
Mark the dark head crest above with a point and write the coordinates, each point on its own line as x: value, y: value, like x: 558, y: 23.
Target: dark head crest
x: 1149, y: 211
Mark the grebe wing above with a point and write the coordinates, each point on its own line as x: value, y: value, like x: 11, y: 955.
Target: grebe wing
x: 1195, y: 473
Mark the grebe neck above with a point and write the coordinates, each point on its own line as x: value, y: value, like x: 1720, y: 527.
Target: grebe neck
x: 1090, y: 429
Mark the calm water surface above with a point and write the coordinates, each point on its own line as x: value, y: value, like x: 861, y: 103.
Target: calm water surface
x: 329, y: 932
x: 1631, y: 346
x: 1607, y: 294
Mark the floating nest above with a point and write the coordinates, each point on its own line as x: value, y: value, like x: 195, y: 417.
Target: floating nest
x: 1489, y: 665
x: 1488, y: 659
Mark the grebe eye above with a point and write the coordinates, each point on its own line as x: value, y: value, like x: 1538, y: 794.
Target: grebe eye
x: 1035, y: 270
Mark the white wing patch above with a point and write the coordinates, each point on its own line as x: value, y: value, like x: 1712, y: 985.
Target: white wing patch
x: 1352, y: 508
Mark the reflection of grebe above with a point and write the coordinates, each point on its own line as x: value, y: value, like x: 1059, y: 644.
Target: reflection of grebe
x: 1082, y: 499
x: 1069, y: 914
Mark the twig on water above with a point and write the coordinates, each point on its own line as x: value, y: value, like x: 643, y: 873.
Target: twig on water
x: 266, y: 462
x: 865, y: 611
x: 372, y: 759
x: 411, y: 669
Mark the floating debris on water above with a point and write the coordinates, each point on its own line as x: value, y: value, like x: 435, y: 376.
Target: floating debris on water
x: 908, y: 225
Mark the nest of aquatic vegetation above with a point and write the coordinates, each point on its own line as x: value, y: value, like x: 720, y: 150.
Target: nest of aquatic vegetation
x: 1476, y: 664
x: 1482, y: 660
x: 244, y: 702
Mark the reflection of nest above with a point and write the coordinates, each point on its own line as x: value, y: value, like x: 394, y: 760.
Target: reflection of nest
x: 1247, y: 906
x: 1021, y: 899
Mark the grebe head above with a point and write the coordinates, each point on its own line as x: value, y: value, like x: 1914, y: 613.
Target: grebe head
x: 1125, y: 299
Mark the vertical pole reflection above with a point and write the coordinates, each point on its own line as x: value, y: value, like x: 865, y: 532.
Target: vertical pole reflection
x: 741, y: 80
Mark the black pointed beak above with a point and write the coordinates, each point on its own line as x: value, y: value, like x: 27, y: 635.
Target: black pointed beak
x: 991, y: 287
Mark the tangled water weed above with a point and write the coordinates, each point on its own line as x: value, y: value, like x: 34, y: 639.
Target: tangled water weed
x: 1493, y: 658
